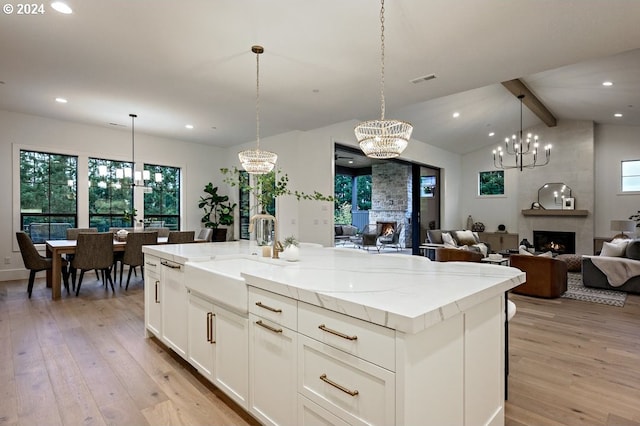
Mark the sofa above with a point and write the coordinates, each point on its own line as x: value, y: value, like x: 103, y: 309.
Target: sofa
x: 456, y: 239
x: 616, y: 268
x: 344, y: 234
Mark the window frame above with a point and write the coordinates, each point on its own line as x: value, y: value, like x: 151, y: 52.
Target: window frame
x: 69, y: 218
x: 622, y: 177
x: 154, y: 185
x: 479, y: 184
x: 114, y: 218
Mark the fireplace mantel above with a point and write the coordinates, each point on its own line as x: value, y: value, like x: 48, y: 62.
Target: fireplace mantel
x: 541, y: 212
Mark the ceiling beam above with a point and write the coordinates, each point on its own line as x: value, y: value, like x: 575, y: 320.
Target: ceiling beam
x: 517, y: 87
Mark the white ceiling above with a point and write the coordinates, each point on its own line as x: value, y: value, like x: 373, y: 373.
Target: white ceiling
x: 174, y: 62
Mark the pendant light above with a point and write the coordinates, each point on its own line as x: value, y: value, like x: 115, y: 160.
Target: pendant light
x: 257, y: 161
x: 383, y: 138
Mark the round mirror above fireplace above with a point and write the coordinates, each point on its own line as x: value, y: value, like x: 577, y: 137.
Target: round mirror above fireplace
x: 551, y: 196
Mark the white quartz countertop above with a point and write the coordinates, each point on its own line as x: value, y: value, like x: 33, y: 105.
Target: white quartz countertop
x: 402, y: 292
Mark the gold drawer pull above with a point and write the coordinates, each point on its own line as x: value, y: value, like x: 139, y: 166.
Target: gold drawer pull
x: 151, y: 264
x: 163, y: 263
x: 269, y: 308
x: 337, y: 333
x: 268, y: 327
x: 335, y: 385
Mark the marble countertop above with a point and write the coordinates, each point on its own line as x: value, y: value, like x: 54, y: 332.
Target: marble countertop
x: 402, y: 292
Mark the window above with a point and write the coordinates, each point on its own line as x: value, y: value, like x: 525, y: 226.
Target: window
x: 162, y: 203
x: 631, y: 176
x: 491, y: 183
x: 48, y: 186
x: 427, y: 186
x: 110, y: 193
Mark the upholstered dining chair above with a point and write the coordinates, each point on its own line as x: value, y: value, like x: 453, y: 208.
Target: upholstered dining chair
x: 206, y: 234
x: 72, y: 234
x: 93, y: 251
x: 133, y: 252
x: 179, y: 237
x: 34, y: 262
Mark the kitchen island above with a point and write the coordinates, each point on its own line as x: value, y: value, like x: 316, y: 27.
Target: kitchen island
x: 339, y: 337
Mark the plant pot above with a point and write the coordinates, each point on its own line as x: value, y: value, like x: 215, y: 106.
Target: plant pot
x: 219, y: 235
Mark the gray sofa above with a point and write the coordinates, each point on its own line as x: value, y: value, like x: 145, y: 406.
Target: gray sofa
x: 594, y: 277
x: 435, y: 240
x: 344, y: 233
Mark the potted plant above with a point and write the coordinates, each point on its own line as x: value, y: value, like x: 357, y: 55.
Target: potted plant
x: 217, y: 211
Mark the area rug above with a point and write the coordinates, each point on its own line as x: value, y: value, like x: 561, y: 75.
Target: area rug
x: 575, y: 290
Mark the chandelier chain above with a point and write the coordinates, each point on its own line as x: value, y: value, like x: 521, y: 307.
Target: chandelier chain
x: 382, y: 61
x: 258, y: 100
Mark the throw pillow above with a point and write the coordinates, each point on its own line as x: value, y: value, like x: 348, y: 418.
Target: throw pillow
x: 448, y: 240
x: 338, y: 230
x: 633, y: 250
x: 465, y: 238
x: 435, y: 236
x: 613, y: 250
x: 523, y: 250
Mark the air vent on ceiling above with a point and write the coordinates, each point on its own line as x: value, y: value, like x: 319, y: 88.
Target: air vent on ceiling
x: 423, y: 78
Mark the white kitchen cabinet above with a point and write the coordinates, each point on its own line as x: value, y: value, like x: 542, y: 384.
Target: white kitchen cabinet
x: 219, y: 347
x: 272, y: 358
x: 201, y: 335
x: 311, y: 414
x: 231, y: 359
x: 174, y: 307
x: 152, y: 296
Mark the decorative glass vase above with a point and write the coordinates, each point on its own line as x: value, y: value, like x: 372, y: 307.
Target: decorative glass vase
x: 264, y: 231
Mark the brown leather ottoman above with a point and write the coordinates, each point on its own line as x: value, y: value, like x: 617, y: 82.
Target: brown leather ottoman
x: 573, y: 261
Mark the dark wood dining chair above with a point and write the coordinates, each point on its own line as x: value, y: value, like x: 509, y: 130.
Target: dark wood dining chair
x: 93, y: 251
x: 179, y: 237
x: 133, y: 252
x: 35, y: 263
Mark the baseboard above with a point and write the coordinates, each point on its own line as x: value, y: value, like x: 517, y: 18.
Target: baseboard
x: 17, y: 274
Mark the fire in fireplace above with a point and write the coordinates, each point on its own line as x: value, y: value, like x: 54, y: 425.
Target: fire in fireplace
x: 555, y: 241
x: 385, y: 228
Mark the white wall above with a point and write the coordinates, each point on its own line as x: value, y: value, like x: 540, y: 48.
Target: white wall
x: 572, y: 163
x: 613, y: 145
x: 199, y: 163
x: 307, y: 157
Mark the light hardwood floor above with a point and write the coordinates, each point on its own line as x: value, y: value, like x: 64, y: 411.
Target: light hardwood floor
x: 85, y: 361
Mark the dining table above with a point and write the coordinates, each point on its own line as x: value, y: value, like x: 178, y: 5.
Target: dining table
x: 56, y: 248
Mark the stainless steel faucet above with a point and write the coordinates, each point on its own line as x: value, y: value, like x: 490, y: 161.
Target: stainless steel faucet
x: 277, y: 247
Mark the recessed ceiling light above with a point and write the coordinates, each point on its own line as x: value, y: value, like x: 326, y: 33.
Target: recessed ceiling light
x: 61, y: 7
x: 607, y: 83
x: 350, y: 161
x: 617, y: 115
x: 61, y: 100
x: 492, y: 134
x: 456, y: 114
x: 189, y: 126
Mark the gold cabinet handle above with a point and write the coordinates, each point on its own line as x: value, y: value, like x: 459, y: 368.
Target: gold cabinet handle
x: 169, y: 265
x: 268, y: 327
x: 157, y: 282
x: 325, y: 379
x: 151, y: 264
x: 337, y: 333
x: 268, y: 308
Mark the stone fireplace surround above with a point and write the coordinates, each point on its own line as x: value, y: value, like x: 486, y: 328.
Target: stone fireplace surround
x: 391, y: 197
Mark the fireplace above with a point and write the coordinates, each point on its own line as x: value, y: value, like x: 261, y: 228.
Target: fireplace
x: 555, y: 241
x: 385, y: 228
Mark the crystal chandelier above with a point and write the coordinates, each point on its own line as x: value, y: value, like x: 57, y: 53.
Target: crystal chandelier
x: 383, y: 138
x: 257, y: 161
x: 524, y: 150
